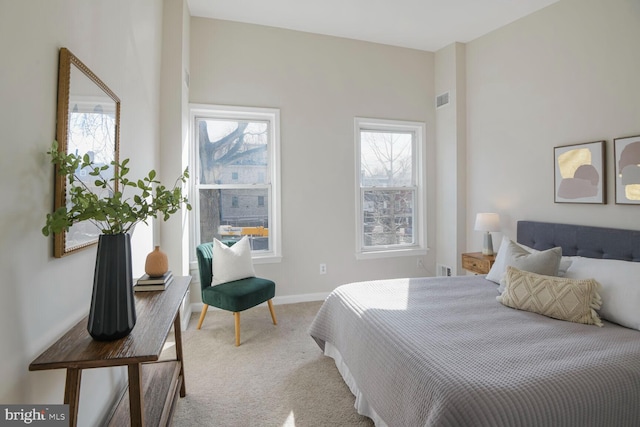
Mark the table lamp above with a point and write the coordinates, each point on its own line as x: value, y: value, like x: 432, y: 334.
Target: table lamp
x: 487, y: 222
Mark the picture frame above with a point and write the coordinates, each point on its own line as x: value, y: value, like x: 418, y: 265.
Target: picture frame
x: 627, y: 170
x: 579, y: 173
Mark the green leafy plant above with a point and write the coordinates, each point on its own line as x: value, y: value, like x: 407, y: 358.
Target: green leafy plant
x: 111, y: 211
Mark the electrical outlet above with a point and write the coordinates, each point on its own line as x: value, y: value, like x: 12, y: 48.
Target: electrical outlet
x: 323, y: 268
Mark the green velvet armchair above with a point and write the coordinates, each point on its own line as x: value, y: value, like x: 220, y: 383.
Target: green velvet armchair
x: 235, y: 296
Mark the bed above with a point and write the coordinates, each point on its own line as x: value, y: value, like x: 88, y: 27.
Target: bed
x: 444, y: 352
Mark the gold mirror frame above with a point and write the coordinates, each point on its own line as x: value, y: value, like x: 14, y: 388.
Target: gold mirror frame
x: 88, y: 121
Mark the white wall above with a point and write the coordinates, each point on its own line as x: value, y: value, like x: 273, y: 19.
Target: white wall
x: 173, y: 235
x: 566, y: 74
x: 320, y: 84
x: 42, y: 296
x: 451, y: 160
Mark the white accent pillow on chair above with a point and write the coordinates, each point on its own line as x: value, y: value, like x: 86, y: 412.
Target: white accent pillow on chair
x: 231, y: 263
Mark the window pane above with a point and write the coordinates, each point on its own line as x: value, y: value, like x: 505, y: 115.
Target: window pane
x: 386, y: 159
x: 388, y: 217
x: 231, y: 214
x: 232, y: 151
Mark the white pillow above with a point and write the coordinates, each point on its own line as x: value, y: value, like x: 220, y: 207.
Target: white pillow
x: 498, y: 268
x: 620, y: 287
x: 514, y: 255
x: 231, y: 263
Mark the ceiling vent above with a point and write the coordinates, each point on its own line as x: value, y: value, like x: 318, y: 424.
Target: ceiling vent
x: 442, y: 100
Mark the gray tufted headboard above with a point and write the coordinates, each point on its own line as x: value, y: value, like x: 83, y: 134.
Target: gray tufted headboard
x: 581, y: 240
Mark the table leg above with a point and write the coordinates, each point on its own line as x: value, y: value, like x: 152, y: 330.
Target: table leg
x: 177, y: 332
x: 136, y: 401
x: 72, y: 394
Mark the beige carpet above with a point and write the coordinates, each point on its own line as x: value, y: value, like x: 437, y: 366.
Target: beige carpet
x: 277, y: 377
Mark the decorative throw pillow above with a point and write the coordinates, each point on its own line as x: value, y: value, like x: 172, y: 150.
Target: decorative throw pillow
x: 511, y: 254
x: 565, y: 261
x: 557, y: 297
x: 231, y: 263
x: 620, y: 287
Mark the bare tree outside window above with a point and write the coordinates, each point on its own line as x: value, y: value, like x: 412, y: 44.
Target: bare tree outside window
x: 387, y: 180
x: 386, y: 158
x: 233, y: 166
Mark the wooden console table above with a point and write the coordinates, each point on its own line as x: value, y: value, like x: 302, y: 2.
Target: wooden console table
x: 159, y: 382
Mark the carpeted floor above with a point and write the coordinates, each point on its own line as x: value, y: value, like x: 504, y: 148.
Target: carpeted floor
x: 277, y: 377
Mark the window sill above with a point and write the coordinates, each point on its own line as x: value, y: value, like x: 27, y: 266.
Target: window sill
x: 391, y: 253
x: 267, y: 259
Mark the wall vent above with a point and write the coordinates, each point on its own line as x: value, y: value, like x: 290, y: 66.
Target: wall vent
x: 442, y: 100
x: 444, y: 271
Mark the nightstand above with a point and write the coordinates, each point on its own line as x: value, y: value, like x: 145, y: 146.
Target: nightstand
x: 477, y: 263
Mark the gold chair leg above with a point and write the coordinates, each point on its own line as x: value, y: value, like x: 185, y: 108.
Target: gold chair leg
x: 273, y: 313
x: 236, y: 315
x: 205, y: 307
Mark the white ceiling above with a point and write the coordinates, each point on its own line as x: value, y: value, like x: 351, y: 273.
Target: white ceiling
x: 419, y: 24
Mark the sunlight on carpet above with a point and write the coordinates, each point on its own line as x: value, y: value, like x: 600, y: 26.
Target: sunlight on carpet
x: 278, y: 376
x: 290, y: 421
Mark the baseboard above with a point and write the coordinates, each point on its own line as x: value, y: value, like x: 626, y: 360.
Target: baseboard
x: 196, y: 307
x: 292, y: 299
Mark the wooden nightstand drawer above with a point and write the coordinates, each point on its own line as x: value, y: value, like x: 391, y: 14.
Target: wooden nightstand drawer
x: 477, y: 263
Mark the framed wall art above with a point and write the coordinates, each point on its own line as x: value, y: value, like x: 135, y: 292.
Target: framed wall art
x: 579, y: 173
x: 627, y: 164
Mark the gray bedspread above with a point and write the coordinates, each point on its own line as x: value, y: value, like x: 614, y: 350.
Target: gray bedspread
x: 444, y: 352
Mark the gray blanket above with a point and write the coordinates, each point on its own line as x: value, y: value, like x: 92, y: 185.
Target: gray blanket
x: 444, y: 352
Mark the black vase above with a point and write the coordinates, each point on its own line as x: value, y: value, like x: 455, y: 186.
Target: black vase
x: 113, y: 310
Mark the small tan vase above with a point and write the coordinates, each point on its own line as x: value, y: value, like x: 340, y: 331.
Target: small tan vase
x: 157, y: 263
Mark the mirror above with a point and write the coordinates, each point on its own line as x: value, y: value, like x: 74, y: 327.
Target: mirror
x: 88, y: 121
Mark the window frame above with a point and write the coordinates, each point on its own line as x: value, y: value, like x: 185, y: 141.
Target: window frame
x: 270, y: 115
x: 418, y: 163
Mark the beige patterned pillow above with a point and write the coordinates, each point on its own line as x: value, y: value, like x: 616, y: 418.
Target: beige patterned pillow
x: 558, y: 297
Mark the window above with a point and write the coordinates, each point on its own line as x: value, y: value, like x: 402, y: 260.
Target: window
x: 236, y: 177
x: 390, y: 188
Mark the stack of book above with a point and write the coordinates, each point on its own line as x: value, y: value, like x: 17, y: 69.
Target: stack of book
x: 151, y: 283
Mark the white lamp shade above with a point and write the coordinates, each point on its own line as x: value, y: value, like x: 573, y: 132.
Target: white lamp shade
x: 487, y: 222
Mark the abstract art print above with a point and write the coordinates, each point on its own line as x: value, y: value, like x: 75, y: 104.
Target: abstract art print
x: 579, y: 173
x: 627, y: 162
